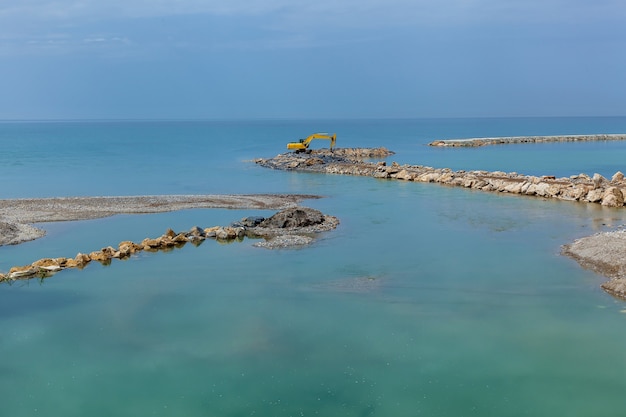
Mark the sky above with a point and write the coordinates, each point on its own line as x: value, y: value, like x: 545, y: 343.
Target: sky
x: 294, y: 59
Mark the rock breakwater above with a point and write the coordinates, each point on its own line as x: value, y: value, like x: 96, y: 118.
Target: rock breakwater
x: 291, y: 227
x: 473, y: 142
x: 581, y: 187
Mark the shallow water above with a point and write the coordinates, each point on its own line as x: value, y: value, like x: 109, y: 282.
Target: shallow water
x: 427, y: 300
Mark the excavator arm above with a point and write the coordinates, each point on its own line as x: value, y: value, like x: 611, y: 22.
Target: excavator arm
x: 303, y: 144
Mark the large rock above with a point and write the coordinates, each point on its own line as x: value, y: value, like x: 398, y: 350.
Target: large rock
x: 149, y: 243
x: 47, y: 264
x: 99, y: 256
x: 598, y: 180
x: 79, y: 261
x: 180, y: 238
x: 613, y: 197
x: 251, y: 221
x: 127, y: 248
x: 195, y: 231
x: 26, y: 271
x: 294, y: 217
x: 226, y: 233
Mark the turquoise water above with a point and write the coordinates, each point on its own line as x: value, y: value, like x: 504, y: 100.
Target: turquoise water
x: 427, y: 300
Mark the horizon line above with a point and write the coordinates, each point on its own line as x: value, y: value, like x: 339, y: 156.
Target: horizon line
x: 287, y: 119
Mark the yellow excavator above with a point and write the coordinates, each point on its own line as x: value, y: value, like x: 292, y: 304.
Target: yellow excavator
x: 303, y: 144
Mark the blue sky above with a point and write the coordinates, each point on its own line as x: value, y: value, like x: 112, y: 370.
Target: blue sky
x: 283, y: 59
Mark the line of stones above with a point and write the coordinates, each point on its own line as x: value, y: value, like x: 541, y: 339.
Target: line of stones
x: 581, y: 187
x: 48, y: 266
x: 474, y: 142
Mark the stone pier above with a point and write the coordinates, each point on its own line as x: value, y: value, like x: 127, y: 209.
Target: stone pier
x: 474, y: 142
x: 581, y: 187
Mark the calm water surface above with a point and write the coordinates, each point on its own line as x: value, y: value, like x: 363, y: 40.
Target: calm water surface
x: 427, y: 300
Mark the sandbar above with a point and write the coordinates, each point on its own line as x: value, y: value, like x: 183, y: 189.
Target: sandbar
x: 18, y: 215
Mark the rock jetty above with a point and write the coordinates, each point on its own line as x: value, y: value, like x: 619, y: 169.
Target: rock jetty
x: 581, y: 187
x: 473, y: 142
x: 292, y: 227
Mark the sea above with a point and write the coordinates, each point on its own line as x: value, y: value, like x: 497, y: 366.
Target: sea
x: 427, y: 300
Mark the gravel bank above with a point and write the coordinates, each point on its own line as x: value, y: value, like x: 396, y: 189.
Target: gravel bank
x: 603, y: 253
x: 16, y: 216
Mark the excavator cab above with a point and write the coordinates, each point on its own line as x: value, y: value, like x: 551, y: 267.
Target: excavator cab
x: 303, y: 144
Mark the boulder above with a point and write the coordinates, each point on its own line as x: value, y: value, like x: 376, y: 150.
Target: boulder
x: 211, y: 231
x: 148, y: 243
x: 618, y: 176
x: 127, y: 248
x: 47, y: 265
x: 574, y: 192
x: 195, y: 231
x: 598, y: 180
x: 446, y: 177
x: 61, y: 262
x: 393, y: 168
x: 427, y: 177
x: 26, y: 271
x: 226, y: 233
x: 82, y: 259
x: 594, y: 195
x: 541, y: 189
x: 79, y: 261
x: 252, y: 221
x: 110, y: 252
x: 294, y: 217
x: 180, y: 238
x: 404, y: 175
x: 165, y: 241
x: 514, y: 187
x: 613, y: 197
x: 99, y: 256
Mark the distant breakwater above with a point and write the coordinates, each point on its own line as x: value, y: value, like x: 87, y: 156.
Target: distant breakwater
x: 354, y: 161
x: 475, y: 142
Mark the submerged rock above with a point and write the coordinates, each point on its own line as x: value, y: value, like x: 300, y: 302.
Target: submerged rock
x: 284, y: 241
